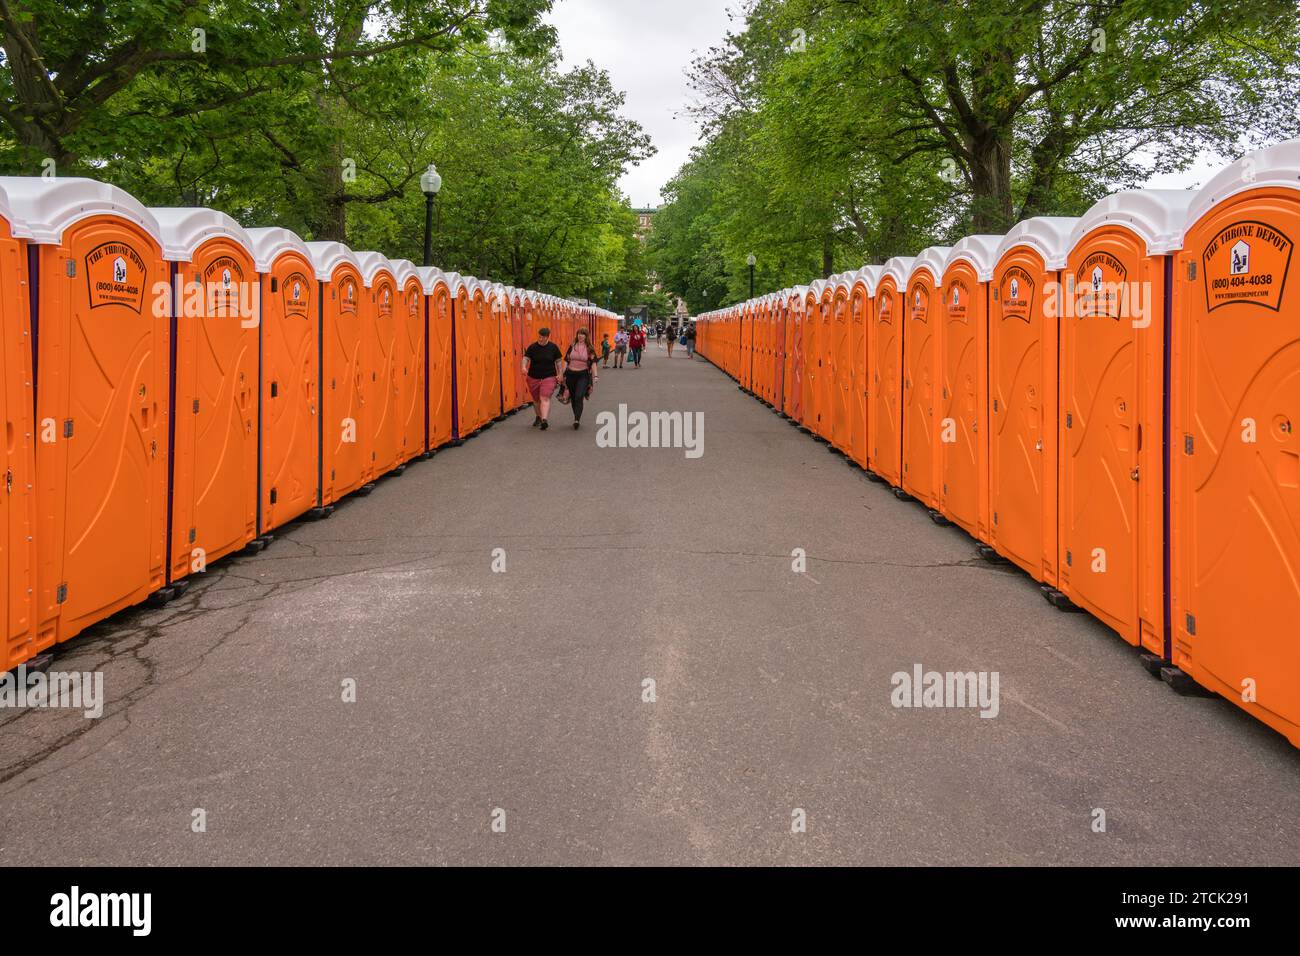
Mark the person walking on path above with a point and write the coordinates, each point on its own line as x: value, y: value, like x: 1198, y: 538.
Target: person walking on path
x: 636, y: 344
x: 690, y: 341
x: 579, y: 373
x: 543, y: 365
x: 620, y: 347
x: 604, y: 350
x: 672, y: 339
x: 659, y: 335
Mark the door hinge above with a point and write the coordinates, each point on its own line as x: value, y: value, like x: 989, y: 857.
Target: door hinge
x: 273, y: 496
x: 1069, y: 559
x: 1069, y: 419
x: 196, y: 406
x: 1188, y: 444
x: 275, y: 389
x: 995, y: 517
x: 67, y: 428
x: 995, y: 404
x: 1191, y: 270
x: 1136, y: 473
x: 9, y: 481
x: 71, y: 269
x: 193, y: 534
x: 61, y: 593
x: 1191, y: 624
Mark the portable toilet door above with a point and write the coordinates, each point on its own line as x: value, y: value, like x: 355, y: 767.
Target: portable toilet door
x: 835, y: 300
x: 412, y: 397
x: 503, y: 314
x: 781, y: 355
x: 345, y: 455
x: 885, y: 353
x: 825, y: 374
x: 489, y: 326
x: 101, y: 291
x: 921, y: 378
x: 468, y: 361
x: 523, y: 339
x: 290, y: 378
x: 215, y: 335
x: 794, y: 391
x: 17, y: 402
x: 381, y: 317
x: 1024, y: 393
x: 812, y: 351
x: 861, y: 301
x: 1235, y: 439
x: 438, y: 371
x: 964, y: 385
x: 1111, y: 422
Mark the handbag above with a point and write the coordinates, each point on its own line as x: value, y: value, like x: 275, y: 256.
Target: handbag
x: 562, y: 393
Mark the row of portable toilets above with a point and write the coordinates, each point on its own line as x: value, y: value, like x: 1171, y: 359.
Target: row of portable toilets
x: 177, y: 387
x: 1109, y: 402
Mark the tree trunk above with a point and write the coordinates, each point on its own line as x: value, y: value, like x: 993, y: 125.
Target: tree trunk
x: 991, y: 205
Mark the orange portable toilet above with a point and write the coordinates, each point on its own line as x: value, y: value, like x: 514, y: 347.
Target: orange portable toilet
x: 885, y: 357
x: 839, y: 357
x: 772, y: 351
x: 862, y: 298
x: 215, y: 318
x: 100, y: 292
x: 813, y: 349
x: 468, y: 361
x: 1111, y: 421
x: 1024, y: 304
x: 825, y: 378
x: 503, y: 307
x: 921, y: 375
x: 794, y: 384
x: 1234, y: 442
x: 17, y: 402
x: 489, y: 335
x: 508, y: 315
x: 412, y: 299
x: 289, y: 391
x: 381, y: 377
x: 439, y: 350
x: 963, y: 315
x: 745, y: 371
x: 345, y: 457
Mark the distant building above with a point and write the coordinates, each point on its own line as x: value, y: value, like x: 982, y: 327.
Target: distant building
x: 645, y: 222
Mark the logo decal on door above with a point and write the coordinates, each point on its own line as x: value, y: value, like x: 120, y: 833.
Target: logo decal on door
x: 296, y: 301
x: 1246, y: 262
x: 1017, y: 296
x: 115, y: 275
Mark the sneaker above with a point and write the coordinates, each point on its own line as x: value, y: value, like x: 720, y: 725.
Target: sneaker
x: 575, y: 425
x: 537, y: 421
x: 545, y: 424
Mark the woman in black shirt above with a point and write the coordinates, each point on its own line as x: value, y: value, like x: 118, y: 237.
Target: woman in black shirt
x: 542, y: 365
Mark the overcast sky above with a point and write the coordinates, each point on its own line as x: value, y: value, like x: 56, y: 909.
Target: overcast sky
x: 647, y: 45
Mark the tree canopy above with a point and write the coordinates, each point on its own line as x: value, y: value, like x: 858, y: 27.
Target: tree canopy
x: 321, y: 115
x: 838, y: 133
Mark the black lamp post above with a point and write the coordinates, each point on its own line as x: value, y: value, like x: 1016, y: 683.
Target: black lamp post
x: 752, y: 261
x: 430, y: 183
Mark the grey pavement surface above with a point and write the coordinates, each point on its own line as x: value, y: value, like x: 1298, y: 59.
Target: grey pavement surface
x: 522, y: 690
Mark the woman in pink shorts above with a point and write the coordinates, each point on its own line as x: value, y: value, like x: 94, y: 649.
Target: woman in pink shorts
x: 543, y: 366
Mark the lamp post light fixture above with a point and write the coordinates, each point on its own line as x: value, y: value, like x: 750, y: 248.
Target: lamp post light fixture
x: 430, y: 184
